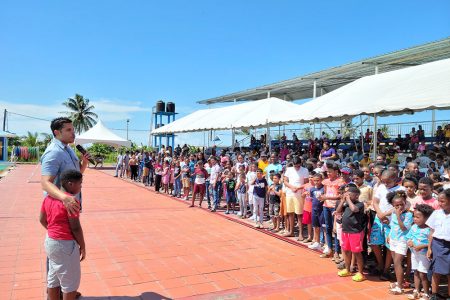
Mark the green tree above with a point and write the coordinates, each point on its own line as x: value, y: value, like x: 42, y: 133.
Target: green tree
x: 80, y: 112
x: 31, y: 139
x: 47, y: 138
x: 101, y: 149
x: 307, y: 133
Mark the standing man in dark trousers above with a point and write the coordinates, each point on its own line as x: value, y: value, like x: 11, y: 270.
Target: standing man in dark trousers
x: 59, y: 157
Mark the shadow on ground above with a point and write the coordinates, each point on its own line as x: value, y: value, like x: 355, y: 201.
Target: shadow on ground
x: 144, y: 296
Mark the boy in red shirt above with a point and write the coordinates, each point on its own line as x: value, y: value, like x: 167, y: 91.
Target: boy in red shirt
x: 64, y: 243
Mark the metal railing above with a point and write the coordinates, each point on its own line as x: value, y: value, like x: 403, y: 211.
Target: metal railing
x: 391, y: 129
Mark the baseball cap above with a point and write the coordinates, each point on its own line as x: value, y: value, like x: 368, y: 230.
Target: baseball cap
x: 346, y: 170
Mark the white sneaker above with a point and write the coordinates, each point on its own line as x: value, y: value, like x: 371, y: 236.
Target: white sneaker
x: 314, y: 246
x: 326, y: 250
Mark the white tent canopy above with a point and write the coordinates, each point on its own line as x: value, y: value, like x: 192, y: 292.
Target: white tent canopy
x: 407, y: 90
x: 101, y: 134
x: 244, y: 115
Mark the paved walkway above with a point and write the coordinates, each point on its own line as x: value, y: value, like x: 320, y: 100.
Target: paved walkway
x: 141, y: 245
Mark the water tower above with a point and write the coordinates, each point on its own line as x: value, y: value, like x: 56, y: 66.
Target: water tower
x: 161, y: 111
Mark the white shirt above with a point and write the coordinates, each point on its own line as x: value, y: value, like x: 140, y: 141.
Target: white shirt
x: 381, y: 193
x: 296, y: 178
x: 215, y: 171
x: 251, y: 176
x: 440, y: 223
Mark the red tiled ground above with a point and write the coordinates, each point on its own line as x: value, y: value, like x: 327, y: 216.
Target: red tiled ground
x: 141, y: 245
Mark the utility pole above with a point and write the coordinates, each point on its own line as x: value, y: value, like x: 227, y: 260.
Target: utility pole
x: 128, y: 121
x: 4, y: 119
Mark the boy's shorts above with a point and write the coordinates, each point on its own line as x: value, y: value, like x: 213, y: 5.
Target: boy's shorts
x: 186, y: 182
x: 294, y: 204
x: 274, y: 209
x: 399, y: 247
x: 231, y: 197
x: 352, y: 241
x: 316, y: 217
x: 64, y: 268
x: 379, y: 233
x: 307, y: 217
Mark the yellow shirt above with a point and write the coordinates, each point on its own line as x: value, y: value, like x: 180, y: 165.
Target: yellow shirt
x: 364, y: 162
x: 447, y: 133
x: 263, y: 165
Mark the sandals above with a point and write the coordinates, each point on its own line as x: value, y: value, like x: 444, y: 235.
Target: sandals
x: 415, y: 295
x: 396, y: 290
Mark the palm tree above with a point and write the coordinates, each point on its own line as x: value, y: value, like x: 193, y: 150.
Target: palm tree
x: 80, y: 113
x: 47, y: 138
x: 30, y: 140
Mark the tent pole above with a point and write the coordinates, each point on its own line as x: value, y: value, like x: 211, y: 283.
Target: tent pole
x: 268, y: 136
x: 314, y: 89
x: 375, y: 137
x: 433, y: 122
x: 361, y: 133
x: 232, y: 138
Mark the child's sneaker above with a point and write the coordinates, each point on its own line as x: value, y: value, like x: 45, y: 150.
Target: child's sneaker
x: 257, y: 225
x: 358, y: 277
x: 314, y: 246
x: 344, y: 273
x: 227, y: 212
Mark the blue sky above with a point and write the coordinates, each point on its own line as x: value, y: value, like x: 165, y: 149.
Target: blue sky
x: 125, y: 55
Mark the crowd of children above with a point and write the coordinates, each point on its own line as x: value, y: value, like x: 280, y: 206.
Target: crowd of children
x: 383, y: 218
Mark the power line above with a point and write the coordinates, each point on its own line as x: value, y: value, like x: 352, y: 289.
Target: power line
x: 121, y: 129
x: 40, y: 119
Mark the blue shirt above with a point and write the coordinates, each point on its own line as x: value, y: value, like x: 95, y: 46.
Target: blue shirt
x: 277, y: 168
x: 259, y: 188
x: 58, y: 158
x: 396, y: 232
x: 419, y: 236
x: 315, y: 193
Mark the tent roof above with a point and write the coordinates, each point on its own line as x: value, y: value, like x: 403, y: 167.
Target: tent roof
x: 101, y: 134
x: 7, y: 134
x: 403, y: 91
x: 331, y: 79
x: 244, y: 115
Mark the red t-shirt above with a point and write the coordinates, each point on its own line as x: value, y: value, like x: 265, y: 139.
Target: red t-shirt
x: 58, y: 227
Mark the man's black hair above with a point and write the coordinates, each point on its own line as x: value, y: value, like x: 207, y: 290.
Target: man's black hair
x: 358, y: 173
x: 70, y: 176
x: 426, y: 180
x: 297, y: 160
x: 58, y: 124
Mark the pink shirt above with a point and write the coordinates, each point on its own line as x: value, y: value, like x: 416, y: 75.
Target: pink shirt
x: 434, y: 203
x: 332, y: 190
x: 58, y: 227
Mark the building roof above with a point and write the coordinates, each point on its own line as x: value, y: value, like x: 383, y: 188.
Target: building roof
x: 328, y: 80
